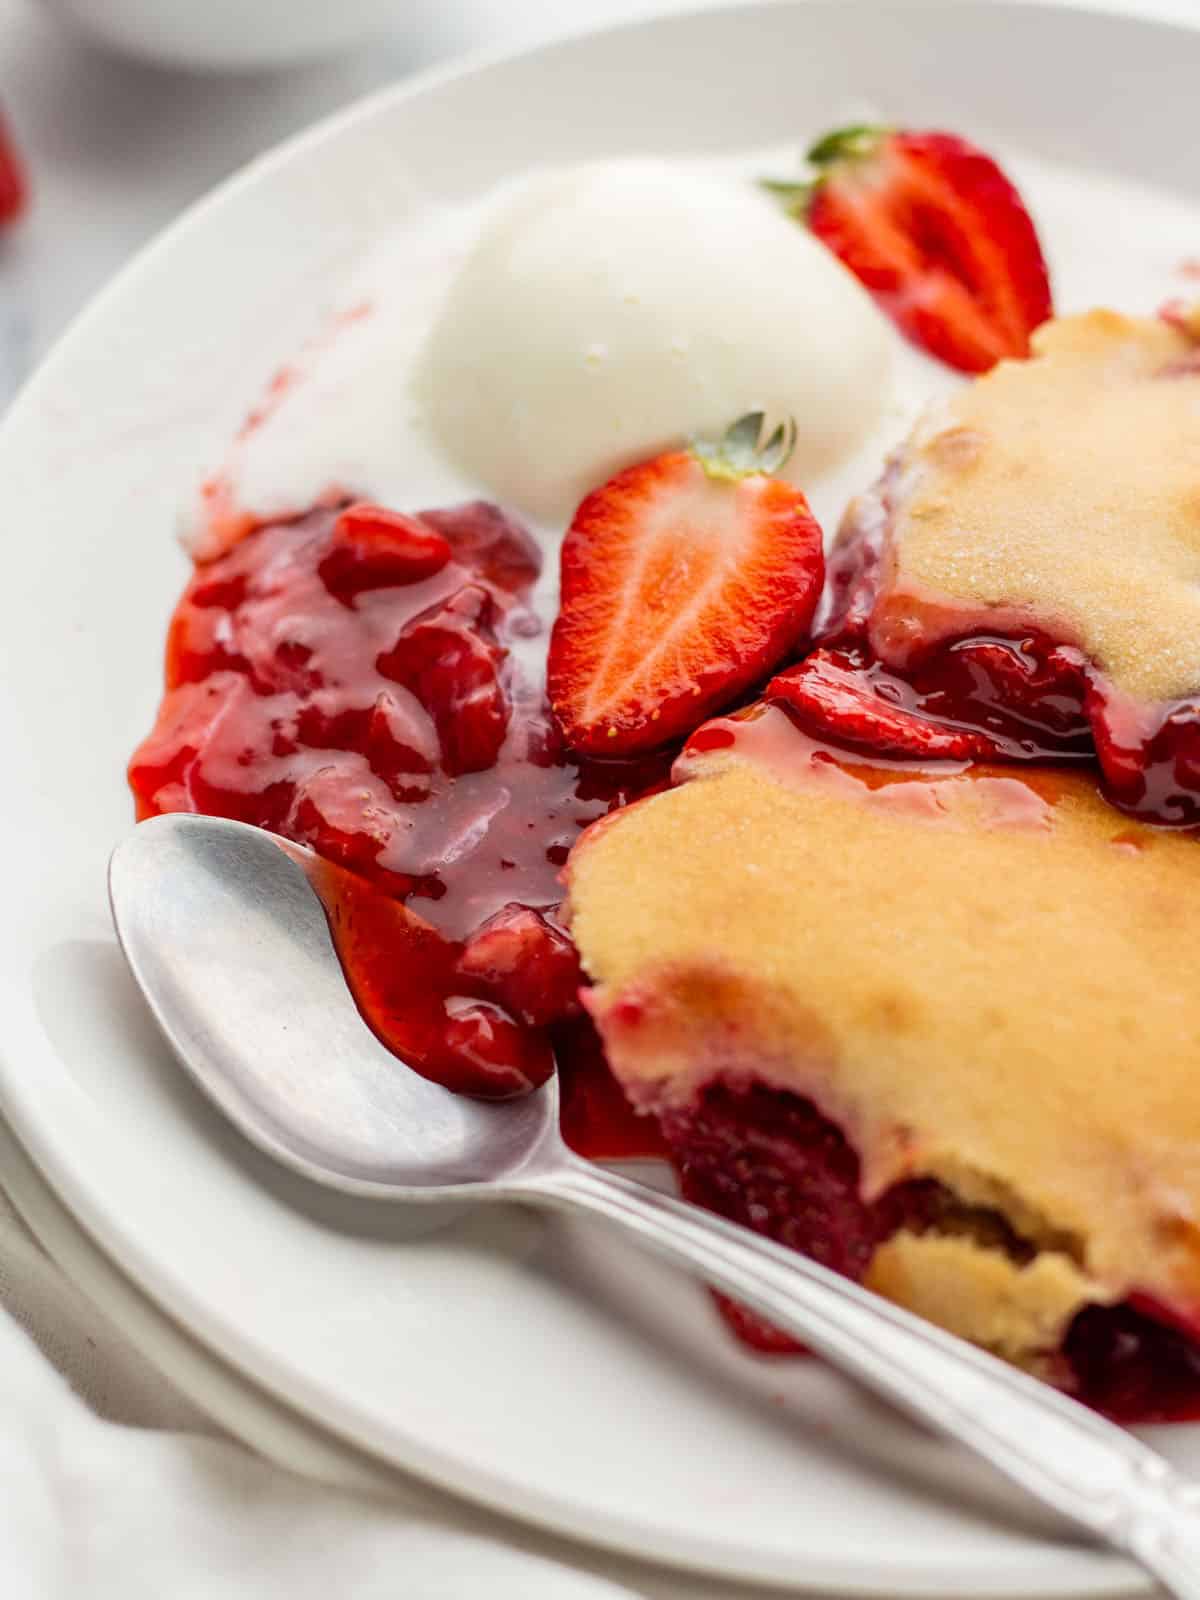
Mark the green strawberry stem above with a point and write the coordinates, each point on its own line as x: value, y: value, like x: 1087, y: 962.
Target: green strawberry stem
x: 795, y: 193
x: 856, y: 142
x: 742, y: 452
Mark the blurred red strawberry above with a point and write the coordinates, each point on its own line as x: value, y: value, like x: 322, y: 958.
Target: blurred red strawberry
x: 14, y: 190
x: 937, y: 233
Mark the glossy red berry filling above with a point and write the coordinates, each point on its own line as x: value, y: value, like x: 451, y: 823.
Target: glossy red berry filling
x: 351, y: 679
x: 985, y: 696
x: 1150, y: 760
x: 1132, y: 1366
x: 771, y: 1161
x: 982, y: 699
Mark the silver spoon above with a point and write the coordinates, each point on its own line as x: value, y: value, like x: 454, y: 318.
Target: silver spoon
x: 231, y: 949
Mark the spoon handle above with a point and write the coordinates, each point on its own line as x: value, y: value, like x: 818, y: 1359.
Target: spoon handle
x: 1066, y: 1456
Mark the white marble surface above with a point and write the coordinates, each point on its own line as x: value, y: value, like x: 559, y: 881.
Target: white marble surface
x: 117, y: 149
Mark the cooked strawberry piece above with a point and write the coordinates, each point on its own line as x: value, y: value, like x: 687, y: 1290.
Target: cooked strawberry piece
x: 483, y: 538
x: 398, y: 749
x: 332, y: 722
x: 373, y: 548
x: 344, y: 813
x: 396, y: 738
x: 980, y: 699
x: 938, y: 234
x: 485, y: 1053
x: 1028, y: 693
x: 531, y: 966
x: 1149, y: 757
x: 832, y: 697
x: 220, y: 593
x: 684, y: 580
x: 448, y: 658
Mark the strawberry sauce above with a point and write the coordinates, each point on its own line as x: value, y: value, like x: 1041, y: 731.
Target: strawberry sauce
x: 981, y: 698
x: 350, y: 680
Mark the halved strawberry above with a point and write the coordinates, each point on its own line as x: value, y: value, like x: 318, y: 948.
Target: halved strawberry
x: 684, y: 580
x: 937, y: 233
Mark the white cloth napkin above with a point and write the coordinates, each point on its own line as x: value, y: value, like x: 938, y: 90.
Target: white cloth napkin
x: 115, y: 1488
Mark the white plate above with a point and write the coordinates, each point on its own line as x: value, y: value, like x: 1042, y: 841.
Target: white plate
x: 532, y: 1366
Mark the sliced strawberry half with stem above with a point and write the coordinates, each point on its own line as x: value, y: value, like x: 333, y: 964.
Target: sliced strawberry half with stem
x: 684, y: 581
x: 933, y: 228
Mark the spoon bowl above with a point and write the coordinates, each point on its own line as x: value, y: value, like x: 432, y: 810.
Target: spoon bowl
x: 233, y: 952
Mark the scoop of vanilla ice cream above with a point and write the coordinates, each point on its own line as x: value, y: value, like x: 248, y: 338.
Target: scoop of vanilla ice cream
x: 612, y: 310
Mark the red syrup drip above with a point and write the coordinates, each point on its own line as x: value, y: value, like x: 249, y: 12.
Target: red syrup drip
x: 597, y: 1120
x: 350, y: 680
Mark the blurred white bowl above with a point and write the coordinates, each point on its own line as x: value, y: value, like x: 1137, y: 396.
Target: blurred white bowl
x: 228, y: 33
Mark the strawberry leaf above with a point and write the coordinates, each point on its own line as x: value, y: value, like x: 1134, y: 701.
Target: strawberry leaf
x: 854, y: 143
x: 741, y: 453
x: 794, y: 193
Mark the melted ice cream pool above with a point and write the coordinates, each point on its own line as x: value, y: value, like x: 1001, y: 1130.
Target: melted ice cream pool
x: 360, y: 411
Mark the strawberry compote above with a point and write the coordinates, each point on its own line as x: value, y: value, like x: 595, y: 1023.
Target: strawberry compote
x: 351, y: 679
